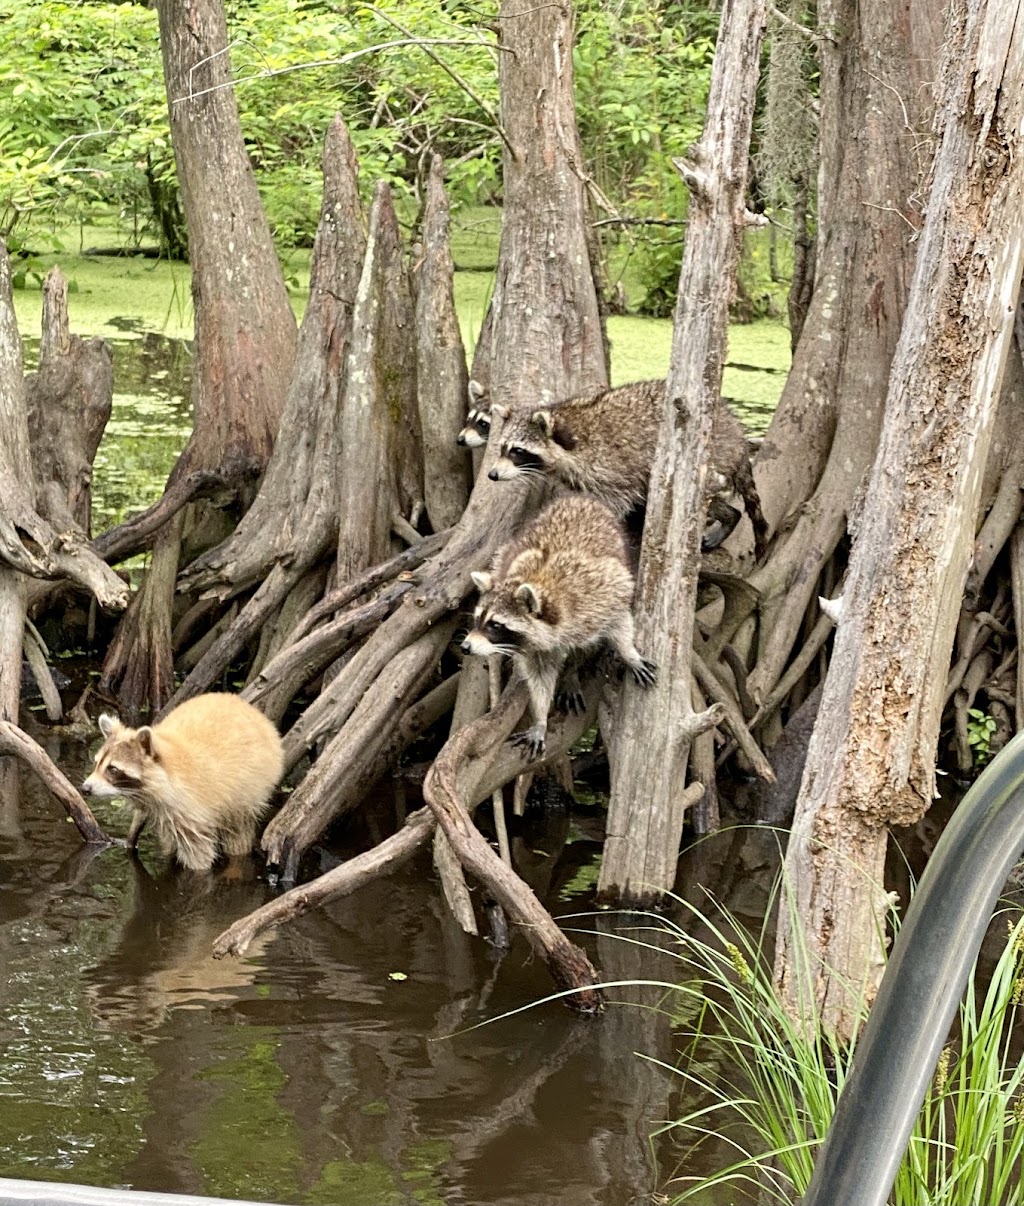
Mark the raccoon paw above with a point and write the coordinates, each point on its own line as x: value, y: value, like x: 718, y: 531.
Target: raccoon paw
x: 533, y: 739
x: 645, y: 673
x: 571, y: 702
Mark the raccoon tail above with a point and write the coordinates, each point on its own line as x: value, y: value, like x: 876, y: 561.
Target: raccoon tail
x: 744, y: 483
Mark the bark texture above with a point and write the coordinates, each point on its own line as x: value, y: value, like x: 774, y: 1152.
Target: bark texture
x: 544, y: 289
x: 381, y: 461
x: 645, y: 814
x: 29, y: 542
x: 294, y: 518
x: 69, y: 401
x: 871, y: 759
x: 245, y: 332
x: 244, y: 327
x: 876, y: 71
x: 441, y: 376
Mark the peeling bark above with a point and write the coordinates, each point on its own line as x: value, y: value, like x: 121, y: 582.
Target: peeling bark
x: 872, y: 755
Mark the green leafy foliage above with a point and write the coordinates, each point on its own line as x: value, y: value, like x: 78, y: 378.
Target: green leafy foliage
x: 981, y: 728
x: 764, y: 1088
x: 84, y: 136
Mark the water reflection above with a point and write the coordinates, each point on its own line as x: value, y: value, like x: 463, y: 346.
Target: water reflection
x: 304, y: 1073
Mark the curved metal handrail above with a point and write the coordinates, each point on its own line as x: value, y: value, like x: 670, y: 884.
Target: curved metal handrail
x: 53, y: 1193
x: 921, y: 989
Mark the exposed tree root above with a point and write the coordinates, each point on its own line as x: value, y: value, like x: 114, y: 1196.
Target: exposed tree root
x: 453, y: 785
x: 17, y: 742
x: 493, y: 762
x: 137, y: 532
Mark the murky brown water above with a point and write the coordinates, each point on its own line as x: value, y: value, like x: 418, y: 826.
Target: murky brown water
x: 306, y: 1072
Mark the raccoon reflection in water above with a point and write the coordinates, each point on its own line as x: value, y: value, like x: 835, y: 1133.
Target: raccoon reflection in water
x: 562, y: 585
x: 203, y: 776
x: 603, y: 443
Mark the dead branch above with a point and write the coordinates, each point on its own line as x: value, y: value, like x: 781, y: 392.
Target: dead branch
x: 16, y: 741
x: 451, y: 789
x: 733, y: 718
x: 136, y: 532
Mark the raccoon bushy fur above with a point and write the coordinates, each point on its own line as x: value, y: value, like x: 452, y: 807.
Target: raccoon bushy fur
x: 203, y: 776
x: 478, y: 418
x: 603, y: 443
x: 562, y: 585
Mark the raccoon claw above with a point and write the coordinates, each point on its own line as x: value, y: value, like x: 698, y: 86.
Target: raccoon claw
x: 571, y: 702
x: 645, y: 673
x: 532, y: 740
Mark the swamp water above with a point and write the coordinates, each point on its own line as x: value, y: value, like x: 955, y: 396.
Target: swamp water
x: 334, y: 1063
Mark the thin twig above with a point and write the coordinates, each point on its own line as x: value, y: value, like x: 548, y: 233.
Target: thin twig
x: 425, y: 44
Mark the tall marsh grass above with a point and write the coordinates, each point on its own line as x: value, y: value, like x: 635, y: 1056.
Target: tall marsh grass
x: 766, y: 1088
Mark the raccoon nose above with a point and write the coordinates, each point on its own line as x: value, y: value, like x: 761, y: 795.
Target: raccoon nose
x: 460, y: 439
x: 493, y: 475
x: 87, y: 788
x: 465, y: 646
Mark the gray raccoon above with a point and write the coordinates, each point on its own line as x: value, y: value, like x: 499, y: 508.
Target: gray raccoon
x: 603, y: 443
x: 562, y: 585
x: 478, y: 418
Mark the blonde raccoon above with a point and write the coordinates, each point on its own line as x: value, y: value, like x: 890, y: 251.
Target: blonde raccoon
x: 562, y: 585
x: 477, y: 430
x: 203, y: 776
x: 603, y: 443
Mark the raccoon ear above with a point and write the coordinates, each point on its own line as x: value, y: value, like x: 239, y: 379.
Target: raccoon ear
x: 501, y: 411
x: 543, y: 420
x: 530, y: 596
x: 482, y: 581
x: 145, y: 736
x: 108, y: 724
x: 476, y: 391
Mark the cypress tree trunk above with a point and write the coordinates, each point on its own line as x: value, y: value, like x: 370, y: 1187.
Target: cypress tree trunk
x: 872, y: 754
x: 245, y: 331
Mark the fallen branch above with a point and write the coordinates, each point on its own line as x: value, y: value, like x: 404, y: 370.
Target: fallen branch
x: 16, y: 741
x: 450, y: 789
x: 503, y: 762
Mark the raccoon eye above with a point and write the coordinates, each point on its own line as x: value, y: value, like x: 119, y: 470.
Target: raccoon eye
x: 520, y: 457
x: 499, y: 633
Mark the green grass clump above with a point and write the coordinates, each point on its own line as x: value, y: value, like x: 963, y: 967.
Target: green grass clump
x: 767, y: 1086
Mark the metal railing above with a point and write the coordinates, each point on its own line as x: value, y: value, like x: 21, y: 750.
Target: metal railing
x: 47, y: 1193
x: 921, y: 989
